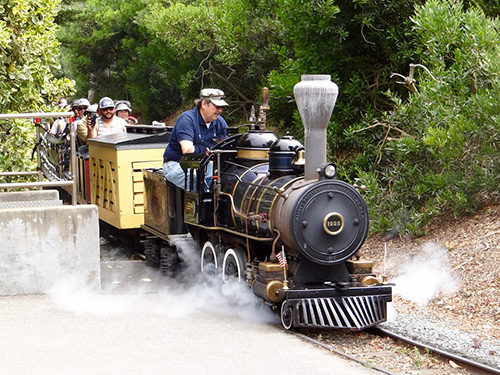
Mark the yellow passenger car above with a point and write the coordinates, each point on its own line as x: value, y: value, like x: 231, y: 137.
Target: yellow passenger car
x: 115, y: 175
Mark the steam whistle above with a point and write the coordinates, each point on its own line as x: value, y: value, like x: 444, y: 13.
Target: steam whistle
x: 261, y: 121
x: 252, y: 118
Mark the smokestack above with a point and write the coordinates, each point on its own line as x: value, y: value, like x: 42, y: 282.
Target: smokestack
x: 315, y: 96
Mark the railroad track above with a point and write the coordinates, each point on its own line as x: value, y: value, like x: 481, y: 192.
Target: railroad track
x: 391, y: 353
x: 472, y: 366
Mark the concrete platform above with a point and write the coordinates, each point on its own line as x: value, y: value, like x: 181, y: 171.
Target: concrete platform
x: 33, y: 195
x: 39, y: 246
x: 35, y: 198
x: 178, y: 330
x: 130, y: 276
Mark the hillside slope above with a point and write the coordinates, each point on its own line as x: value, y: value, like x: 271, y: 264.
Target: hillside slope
x: 451, y: 274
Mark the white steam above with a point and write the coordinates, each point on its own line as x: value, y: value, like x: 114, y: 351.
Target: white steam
x: 123, y: 292
x: 426, y: 274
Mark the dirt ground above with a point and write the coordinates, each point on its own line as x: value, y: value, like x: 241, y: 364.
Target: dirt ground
x: 451, y: 274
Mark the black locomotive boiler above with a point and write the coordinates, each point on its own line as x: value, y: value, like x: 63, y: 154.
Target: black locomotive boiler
x: 276, y: 218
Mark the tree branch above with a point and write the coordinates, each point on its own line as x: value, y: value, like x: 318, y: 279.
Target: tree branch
x: 386, y: 136
x: 410, y: 81
x: 233, y: 88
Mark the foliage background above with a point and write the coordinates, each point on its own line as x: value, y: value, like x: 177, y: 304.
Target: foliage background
x: 422, y: 149
x: 29, y: 57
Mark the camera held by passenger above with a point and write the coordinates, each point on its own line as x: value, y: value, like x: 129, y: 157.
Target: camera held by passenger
x: 93, y: 118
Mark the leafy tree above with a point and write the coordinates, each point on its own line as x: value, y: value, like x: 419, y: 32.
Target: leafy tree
x: 159, y: 54
x: 128, y: 49
x: 421, y: 151
x: 29, y: 55
x: 228, y: 42
x: 439, y: 152
x: 359, y: 42
x: 490, y: 7
x: 111, y: 55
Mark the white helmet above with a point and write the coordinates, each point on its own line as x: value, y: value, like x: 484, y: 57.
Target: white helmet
x: 123, y: 106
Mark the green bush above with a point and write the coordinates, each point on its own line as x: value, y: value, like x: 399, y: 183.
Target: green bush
x: 29, y: 55
x: 444, y: 155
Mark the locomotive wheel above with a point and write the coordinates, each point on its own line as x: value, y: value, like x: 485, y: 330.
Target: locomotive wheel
x: 286, y: 316
x: 234, y: 265
x: 209, y: 261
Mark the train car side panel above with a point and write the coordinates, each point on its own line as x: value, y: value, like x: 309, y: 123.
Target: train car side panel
x: 117, y: 186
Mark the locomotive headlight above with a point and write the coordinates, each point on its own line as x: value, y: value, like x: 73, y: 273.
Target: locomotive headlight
x: 330, y: 171
x: 326, y: 171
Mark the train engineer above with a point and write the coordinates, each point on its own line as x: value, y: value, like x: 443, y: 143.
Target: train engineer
x: 196, y: 131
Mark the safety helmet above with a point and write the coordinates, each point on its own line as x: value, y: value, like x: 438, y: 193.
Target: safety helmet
x: 92, y: 108
x: 122, y: 106
x: 83, y: 102
x: 106, y: 103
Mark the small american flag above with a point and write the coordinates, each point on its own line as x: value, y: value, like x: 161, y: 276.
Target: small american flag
x: 282, y: 258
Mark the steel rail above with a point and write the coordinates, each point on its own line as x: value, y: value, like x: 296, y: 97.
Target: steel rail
x: 441, y: 352
x: 21, y: 185
x: 7, y: 116
x: 387, y: 333
x: 336, y: 351
x: 18, y: 173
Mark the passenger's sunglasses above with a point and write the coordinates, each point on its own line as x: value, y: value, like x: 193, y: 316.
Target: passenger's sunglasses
x: 82, y: 108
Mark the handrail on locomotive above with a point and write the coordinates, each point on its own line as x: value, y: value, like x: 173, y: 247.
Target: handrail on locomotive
x: 37, y: 116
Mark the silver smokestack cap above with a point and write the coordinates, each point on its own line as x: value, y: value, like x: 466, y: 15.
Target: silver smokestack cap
x: 315, y: 96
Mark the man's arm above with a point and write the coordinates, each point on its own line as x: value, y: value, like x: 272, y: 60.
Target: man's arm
x: 187, y: 147
x: 186, y: 135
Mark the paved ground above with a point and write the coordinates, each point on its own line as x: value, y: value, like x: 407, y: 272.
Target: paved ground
x: 140, y: 325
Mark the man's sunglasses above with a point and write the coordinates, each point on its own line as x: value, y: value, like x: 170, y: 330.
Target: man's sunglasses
x: 211, y: 102
x: 81, y: 108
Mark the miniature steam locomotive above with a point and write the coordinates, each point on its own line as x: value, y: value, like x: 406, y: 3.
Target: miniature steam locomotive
x: 275, y: 217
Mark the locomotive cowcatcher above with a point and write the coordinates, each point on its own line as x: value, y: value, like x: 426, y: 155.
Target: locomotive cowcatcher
x: 276, y: 218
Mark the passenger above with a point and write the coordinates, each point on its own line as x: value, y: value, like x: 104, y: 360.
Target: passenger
x: 82, y: 105
x: 131, y: 120
x: 81, y: 126
x: 74, y: 106
x: 107, y: 123
x: 63, y: 101
x: 59, y: 125
x: 195, y: 132
x: 123, y: 109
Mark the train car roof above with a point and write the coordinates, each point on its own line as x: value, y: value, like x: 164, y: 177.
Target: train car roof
x: 130, y: 141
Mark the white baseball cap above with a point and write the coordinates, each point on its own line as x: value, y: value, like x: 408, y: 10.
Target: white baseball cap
x: 216, y: 96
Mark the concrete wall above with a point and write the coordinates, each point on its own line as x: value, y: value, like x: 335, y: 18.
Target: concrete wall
x: 46, y: 247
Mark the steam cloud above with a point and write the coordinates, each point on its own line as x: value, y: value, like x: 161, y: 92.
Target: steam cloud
x: 426, y: 274
x: 186, y: 294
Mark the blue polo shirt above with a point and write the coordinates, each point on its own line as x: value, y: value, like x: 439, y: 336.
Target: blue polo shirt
x: 190, y: 126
